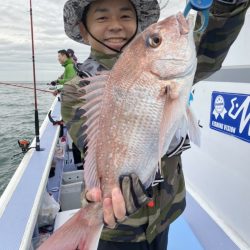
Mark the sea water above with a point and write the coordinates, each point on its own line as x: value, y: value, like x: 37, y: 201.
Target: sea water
x: 17, y: 122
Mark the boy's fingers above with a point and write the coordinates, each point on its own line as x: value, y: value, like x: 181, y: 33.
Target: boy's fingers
x: 94, y: 194
x: 114, y: 209
x: 118, y: 204
x: 108, y: 213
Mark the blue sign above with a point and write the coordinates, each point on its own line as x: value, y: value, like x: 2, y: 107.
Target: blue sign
x: 230, y: 114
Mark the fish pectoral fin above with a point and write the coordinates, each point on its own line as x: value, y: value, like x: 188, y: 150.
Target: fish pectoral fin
x: 193, y: 127
x: 171, y: 88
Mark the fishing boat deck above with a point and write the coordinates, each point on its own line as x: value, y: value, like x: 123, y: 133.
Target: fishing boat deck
x: 21, y: 201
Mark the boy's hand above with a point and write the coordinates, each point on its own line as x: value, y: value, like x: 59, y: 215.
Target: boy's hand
x: 113, y: 208
x: 124, y: 201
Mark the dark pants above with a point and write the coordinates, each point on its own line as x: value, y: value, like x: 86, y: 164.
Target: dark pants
x: 159, y: 243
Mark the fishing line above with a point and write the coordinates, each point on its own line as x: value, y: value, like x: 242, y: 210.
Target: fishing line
x: 24, y: 87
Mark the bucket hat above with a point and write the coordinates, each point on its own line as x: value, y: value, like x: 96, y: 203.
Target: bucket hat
x: 148, y: 12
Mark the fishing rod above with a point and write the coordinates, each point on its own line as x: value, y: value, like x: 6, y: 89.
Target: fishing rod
x: 34, y: 81
x: 24, y: 87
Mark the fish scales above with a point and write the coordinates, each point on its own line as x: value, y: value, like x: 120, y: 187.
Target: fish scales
x: 129, y: 133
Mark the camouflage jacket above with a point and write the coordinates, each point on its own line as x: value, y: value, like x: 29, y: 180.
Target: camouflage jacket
x: 169, y: 193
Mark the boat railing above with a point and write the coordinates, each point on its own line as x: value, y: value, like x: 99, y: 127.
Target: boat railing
x: 20, y: 202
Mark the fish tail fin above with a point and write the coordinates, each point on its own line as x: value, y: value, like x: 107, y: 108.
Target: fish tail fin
x: 81, y: 232
x: 193, y: 127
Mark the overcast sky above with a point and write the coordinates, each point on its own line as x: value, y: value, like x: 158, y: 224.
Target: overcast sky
x: 15, y: 38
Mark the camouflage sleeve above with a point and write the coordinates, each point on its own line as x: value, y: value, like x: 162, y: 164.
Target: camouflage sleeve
x: 214, y: 43
x: 71, y: 110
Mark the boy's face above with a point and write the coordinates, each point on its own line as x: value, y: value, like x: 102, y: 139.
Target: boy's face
x: 111, y: 22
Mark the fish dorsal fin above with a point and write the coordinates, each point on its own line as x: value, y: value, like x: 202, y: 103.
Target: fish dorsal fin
x: 93, y: 97
x: 91, y: 103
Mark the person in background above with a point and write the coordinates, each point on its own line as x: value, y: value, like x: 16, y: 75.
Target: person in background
x: 67, y: 60
x: 69, y: 71
x: 147, y: 226
x: 72, y: 55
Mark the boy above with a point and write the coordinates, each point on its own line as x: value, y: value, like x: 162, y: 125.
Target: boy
x: 108, y: 26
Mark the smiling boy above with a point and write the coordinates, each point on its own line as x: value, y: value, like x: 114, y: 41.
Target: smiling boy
x: 109, y: 25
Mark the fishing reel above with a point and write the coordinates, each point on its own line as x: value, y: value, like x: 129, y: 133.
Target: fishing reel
x: 24, y: 145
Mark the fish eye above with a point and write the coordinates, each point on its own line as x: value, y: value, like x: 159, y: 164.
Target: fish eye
x: 154, y: 41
